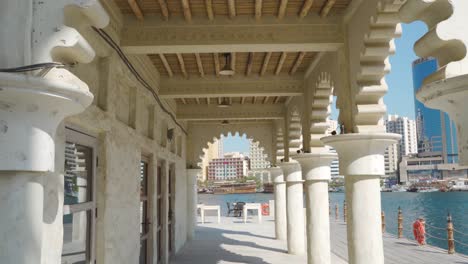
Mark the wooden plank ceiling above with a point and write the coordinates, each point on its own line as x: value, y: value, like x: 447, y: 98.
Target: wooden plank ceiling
x: 231, y: 8
x: 258, y: 100
x: 244, y: 63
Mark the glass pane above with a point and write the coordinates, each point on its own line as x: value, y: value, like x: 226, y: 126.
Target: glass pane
x: 143, y: 217
x: 159, y: 182
x: 143, y: 252
x: 143, y: 178
x: 75, y: 238
x: 78, y: 173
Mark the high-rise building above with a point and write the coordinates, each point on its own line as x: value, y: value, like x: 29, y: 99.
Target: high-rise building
x: 258, y: 159
x: 335, y: 165
x: 221, y: 146
x: 408, y: 144
x: 230, y: 167
x: 436, y: 132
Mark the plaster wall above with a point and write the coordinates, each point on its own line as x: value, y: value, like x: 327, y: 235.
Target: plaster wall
x: 128, y: 124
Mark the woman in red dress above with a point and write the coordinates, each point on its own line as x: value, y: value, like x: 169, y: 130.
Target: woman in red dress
x: 419, y: 231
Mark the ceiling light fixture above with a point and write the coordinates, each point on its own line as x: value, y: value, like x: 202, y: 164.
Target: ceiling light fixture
x: 225, y: 122
x: 224, y: 103
x: 227, y: 70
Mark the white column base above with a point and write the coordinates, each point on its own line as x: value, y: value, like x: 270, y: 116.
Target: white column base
x: 21, y: 207
x: 280, y: 203
x: 294, y: 208
x: 31, y: 109
x: 362, y: 163
x: 192, y: 199
x: 316, y: 171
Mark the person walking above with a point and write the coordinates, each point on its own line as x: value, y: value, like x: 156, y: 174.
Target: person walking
x: 419, y: 231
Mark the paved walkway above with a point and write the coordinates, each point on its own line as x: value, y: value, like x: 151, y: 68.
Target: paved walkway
x: 232, y: 241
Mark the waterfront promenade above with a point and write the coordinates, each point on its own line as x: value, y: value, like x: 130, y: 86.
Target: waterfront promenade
x: 232, y: 241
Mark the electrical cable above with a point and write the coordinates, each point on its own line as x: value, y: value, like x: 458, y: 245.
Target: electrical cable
x: 34, y: 67
x: 108, y: 39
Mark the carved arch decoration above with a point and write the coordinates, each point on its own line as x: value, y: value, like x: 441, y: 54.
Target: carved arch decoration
x: 294, y: 129
x: 201, y: 134
x: 279, y: 128
x: 324, y: 82
x: 445, y: 40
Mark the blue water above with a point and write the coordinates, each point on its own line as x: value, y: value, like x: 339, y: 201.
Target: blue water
x: 432, y: 206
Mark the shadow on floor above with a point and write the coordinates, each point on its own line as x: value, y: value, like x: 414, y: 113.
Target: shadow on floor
x: 209, y: 247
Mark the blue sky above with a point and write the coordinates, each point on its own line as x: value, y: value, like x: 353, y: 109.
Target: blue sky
x: 400, y: 96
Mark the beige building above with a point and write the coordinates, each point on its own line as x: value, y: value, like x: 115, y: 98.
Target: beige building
x: 140, y: 87
x: 212, y: 152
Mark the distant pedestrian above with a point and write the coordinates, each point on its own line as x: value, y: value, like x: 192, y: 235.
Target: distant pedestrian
x: 419, y: 231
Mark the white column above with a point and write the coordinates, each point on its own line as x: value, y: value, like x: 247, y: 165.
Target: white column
x: 451, y: 96
x: 30, y: 112
x: 192, y: 200
x: 280, y: 203
x: 316, y: 172
x: 362, y: 163
x: 294, y: 207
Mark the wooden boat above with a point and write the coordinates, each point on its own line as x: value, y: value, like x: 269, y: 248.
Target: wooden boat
x: 268, y: 188
x: 235, y: 188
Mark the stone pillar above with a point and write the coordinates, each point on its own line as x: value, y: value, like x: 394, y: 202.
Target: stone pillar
x: 280, y: 203
x: 192, y: 201
x: 450, y: 96
x: 30, y: 111
x: 294, y: 207
x: 316, y: 172
x: 362, y: 163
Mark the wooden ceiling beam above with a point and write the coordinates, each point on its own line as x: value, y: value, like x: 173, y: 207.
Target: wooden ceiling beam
x: 209, y: 9
x: 305, y: 8
x: 297, y: 63
x: 280, y: 63
x: 254, y: 100
x: 136, y: 9
x: 242, y: 100
x: 182, y: 65
x: 265, y: 63
x: 258, y: 9
x: 277, y: 99
x: 219, y: 100
x: 183, y: 100
x: 164, y: 9
x: 207, y: 100
x: 199, y: 65
x: 282, y: 8
x: 187, y: 11
x: 232, y: 8
x: 197, y: 100
x: 166, y: 64
x: 265, y: 100
x: 249, y: 64
x: 327, y: 7
x: 216, y: 63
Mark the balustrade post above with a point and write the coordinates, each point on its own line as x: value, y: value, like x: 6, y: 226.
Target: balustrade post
x: 336, y: 212
x: 400, y: 223
x: 450, y: 238
x: 383, y: 222
x: 345, y: 209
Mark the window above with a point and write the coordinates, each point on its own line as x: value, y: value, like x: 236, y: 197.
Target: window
x: 79, y: 202
x: 144, y: 213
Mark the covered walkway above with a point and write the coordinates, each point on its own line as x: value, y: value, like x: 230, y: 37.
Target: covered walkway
x: 234, y: 242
